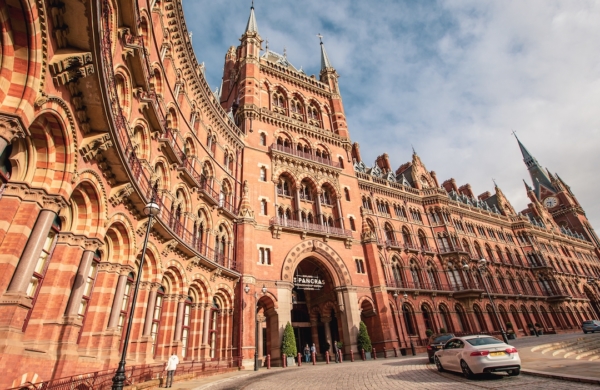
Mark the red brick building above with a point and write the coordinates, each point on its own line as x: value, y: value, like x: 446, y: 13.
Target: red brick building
x: 103, y: 104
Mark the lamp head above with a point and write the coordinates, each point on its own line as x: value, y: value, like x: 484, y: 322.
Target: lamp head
x: 395, y: 294
x: 151, y: 209
x: 482, y: 262
x: 405, y: 296
x: 466, y: 267
x: 246, y: 289
x: 264, y: 289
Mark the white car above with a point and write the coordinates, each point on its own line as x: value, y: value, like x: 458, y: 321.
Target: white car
x: 478, y: 355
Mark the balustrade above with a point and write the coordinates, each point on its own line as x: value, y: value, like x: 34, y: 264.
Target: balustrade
x: 312, y: 227
x: 307, y: 156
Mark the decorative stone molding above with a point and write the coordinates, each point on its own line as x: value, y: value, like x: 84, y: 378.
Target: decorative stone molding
x: 120, y: 194
x: 98, y: 144
x: 66, y: 68
x: 11, y: 128
x: 215, y: 274
x: 170, y: 247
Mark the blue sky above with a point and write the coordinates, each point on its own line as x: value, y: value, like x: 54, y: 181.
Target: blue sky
x: 452, y: 78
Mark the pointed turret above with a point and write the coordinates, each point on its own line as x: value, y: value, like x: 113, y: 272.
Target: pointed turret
x: 251, y: 26
x: 329, y: 76
x: 539, y: 176
x: 325, y: 63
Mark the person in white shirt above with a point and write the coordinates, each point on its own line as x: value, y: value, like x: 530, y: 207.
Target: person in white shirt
x: 171, y: 367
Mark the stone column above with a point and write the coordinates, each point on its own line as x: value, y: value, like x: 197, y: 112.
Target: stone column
x: 32, y: 252
x: 150, y: 311
x: 206, y: 325
x: 314, y: 333
x: 298, y: 211
x: 179, y: 320
x: 261, y: 352
x: 326, y: 321
x: 80, y: 281
x: 113, y: 320
x: 340, y: 215
x: 319, y: 206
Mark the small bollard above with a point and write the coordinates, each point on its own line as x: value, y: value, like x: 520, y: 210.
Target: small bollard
x: 364, y: 357
x: 374, y: 354
x: 314, y: 358
x: 351, y: 355
x: 395, y: 352
x: 327, y: 357
x: 384, y: 353
x: 284, y: 360
x: 268, y: 361
x: 299, y: 359
x: 341, y: 355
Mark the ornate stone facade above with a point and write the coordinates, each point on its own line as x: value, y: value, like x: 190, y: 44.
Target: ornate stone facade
x: 257, y: 184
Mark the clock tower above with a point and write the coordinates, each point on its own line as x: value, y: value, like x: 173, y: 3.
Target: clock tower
x: 551, y: 192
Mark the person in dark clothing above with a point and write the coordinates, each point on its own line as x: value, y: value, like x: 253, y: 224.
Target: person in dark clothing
x: 336, y: 351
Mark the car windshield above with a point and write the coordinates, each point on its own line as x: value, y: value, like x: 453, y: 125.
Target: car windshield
x: 441, y: 339
x: 588, y: 322
x: 484, y: 341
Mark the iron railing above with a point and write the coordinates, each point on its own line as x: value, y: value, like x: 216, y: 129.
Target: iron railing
x: 307, y: 156
x: 311, y: 227
x: 102, y: 380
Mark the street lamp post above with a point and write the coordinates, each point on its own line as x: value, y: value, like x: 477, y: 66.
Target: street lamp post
x: 264, y: 291
x: 151, y: 210
x: 480, y: 268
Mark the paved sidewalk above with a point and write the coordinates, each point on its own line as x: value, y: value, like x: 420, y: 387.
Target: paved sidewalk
x: 414, y: 371
x: 406, y: 373
x: 568, y: 368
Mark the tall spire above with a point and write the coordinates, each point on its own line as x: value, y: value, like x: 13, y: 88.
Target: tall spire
x: 325, y: 63
x: 539, y: 176
x: 252, y: 26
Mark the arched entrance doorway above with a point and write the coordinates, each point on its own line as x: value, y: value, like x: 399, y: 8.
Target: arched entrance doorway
x: 320, y: 289
x: 315, y: 309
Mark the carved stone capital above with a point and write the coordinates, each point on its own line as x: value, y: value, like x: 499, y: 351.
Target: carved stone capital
x: 11, y: 128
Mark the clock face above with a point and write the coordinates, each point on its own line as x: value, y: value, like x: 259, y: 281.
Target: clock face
x: 550, y: 202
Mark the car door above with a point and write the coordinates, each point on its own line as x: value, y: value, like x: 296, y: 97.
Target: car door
x: 446, y: 354
x: 454, y: 355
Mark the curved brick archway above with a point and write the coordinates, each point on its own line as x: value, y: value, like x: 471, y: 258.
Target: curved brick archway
x: 321, y: 251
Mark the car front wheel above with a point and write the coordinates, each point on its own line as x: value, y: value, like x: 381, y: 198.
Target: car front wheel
x: 466, y: 370
x: 438, y: 364
x: 515, y: 372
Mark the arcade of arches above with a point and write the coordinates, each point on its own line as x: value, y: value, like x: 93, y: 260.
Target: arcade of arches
x: 104, y: 107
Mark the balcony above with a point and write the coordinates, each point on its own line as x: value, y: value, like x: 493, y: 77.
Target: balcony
x: 306, y: 156
x: 171, y: 148
x: 190, y: 175
x: 540, y: 264
x: 410, y: 246
x: 300, y: 226
x: 451, y: 250
x: 418, y: 286
x: 208, y: 193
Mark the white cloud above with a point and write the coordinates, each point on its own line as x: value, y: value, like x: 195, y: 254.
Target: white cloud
x: 451, y: 77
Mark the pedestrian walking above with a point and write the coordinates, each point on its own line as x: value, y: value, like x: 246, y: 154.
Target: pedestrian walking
x: 336, y: 351
x: 306, y: 354
x: 171, y: 367
x: 313, y: 350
